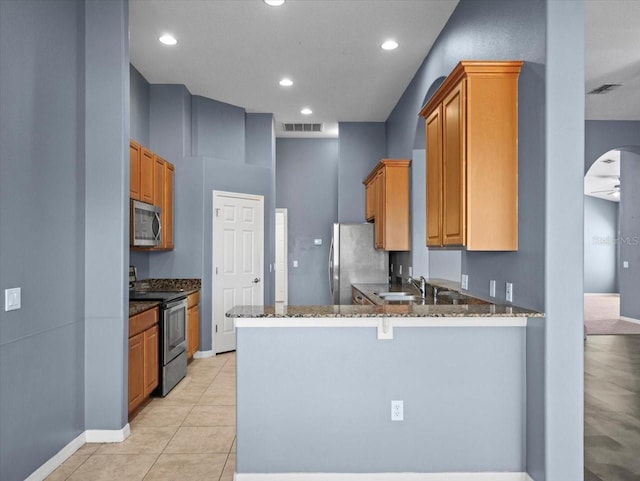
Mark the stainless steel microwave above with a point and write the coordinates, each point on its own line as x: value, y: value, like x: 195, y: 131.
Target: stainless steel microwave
x: 145, y: 228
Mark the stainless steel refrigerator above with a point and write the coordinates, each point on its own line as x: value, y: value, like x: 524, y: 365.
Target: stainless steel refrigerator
x: 354, y: 260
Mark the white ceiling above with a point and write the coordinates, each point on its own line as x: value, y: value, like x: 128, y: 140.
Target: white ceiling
x: 236, y: 51
x: 603, y: 178
x: 612, y: 48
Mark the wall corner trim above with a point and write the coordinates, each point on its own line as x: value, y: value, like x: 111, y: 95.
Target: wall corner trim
x: 203, y: 354
x: 630, y: 319
x: 504, y: 476
x: 107, y: 435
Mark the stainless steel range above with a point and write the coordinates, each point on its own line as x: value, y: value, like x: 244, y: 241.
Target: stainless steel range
x: 173, y: 343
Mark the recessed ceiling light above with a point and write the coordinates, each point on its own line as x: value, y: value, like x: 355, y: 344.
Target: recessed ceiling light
x: 168, y: 39
x: 274, y: 3
x: 306, y: 111
x: 286, y: 82
x: 389, y: 45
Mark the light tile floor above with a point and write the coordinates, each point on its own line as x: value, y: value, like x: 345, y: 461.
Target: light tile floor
x: 189, y: 435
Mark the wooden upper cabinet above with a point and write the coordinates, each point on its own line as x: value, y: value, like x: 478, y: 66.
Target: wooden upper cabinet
x: 158, y: 180
x: 453, y: 166
x: 152, y: 181
x: 388, y: 204
x: 146, y: 176
x: 134, y: 170
x: 471, y: 130
x: 434, y: 177
x: 167, y: 207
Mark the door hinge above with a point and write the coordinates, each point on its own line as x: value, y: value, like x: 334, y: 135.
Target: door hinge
x: 216, y: 328
x: 217, y: 212
x: 216, y: 270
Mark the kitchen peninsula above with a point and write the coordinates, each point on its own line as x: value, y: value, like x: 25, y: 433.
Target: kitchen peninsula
x: 321, y: 379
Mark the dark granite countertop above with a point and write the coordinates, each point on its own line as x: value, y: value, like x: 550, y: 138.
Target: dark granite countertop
x: 188, y: 286
x: 168, y: 285
x: 403, y: 310
x: 136, y: 307
x: 446, y: 304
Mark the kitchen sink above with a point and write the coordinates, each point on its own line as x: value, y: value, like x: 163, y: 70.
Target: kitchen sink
x: 398, y: 296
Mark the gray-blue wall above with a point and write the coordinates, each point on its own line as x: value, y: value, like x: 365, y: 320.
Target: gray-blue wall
x: 41, y: 191
x: 307, y: 186
x: 551, y: 127
x: 324, y: 395
x: 140, y: 102
x: 64, y: 123
x: 362, y: 145
x: 629, y: 234
x: 600, y: 245
x: 601, y: 136
x: 213, y: 146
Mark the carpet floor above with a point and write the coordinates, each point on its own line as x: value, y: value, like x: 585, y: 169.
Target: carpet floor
x: 602, y: 316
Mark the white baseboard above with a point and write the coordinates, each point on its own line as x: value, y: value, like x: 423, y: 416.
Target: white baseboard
x: 203, y: 354
x: 60, y: 457
x: 630, y: 319
x: 382, y: 477
x: 605, y: 294
x: 88, y: 436
x: 108, y: 435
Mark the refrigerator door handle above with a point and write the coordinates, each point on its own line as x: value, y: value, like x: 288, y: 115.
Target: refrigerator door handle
x: 330, y: 268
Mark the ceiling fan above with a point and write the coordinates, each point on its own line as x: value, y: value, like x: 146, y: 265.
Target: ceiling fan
x: 615, y: 191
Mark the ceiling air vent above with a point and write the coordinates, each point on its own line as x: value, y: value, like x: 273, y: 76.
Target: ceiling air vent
x: 301, y: 127
x: 605, y: 88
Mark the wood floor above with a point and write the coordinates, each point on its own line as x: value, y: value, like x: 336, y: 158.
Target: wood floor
x: 612, y: 408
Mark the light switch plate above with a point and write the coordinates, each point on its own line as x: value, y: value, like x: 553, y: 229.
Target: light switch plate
x: 625, y: 264
x: 12, y: 299
x: 317, y: 242
x: 295, y: 263
x: 509, y: 292
x: 464, y: 283
x: 492, y: 288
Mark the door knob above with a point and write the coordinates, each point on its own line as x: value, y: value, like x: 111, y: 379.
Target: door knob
x: 256, y: 280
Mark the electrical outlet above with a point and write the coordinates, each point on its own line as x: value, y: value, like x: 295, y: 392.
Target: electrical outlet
x: 492, y: 288
x: 509, y: 292
x: 625, y: 264
x: 464, y: 284
x: 295, y: 263
x: 397, y: 410
x: 12, y: 299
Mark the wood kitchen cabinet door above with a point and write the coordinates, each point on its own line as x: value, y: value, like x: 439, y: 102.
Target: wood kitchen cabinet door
x: 158, y: 181
x: 136, y: 371
x: 387, y: 204
x: 146, y: 176
x: 453, y: 167
x: 369, y: 202
x: 167, y: 207
x: 151, y: 359
x: 433, y: 126
x: 380, y: 217
x: 134, y: 170
x: 193, y: 324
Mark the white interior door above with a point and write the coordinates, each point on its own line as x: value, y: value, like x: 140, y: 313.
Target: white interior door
x: 238, y: 251
x: 281, y: 257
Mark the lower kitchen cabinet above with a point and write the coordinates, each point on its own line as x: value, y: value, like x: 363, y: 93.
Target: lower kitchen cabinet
x: 193, y: 324
x: 143, y: 357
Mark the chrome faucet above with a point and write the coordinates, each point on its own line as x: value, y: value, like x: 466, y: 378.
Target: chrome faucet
x: 420, y: 284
